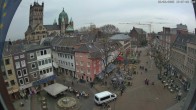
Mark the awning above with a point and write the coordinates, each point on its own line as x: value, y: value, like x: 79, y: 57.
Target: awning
x: 55, y: 89
x: 110, y: 67
x: 45, y: 80
x: 108, y: 70
x: 120, y: 58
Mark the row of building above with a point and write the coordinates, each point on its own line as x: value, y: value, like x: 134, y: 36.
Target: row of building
x: 27, y: 68
x: 179, y: 50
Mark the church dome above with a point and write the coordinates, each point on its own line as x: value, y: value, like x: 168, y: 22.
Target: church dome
x: 63, y: 15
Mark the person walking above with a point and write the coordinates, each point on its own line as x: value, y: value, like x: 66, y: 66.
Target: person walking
x: 72, y: 83
x: 121, y: 92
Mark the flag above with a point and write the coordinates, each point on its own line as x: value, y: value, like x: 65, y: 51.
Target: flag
x: 7, y: 11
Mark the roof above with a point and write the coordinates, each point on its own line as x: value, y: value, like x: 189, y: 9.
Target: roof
x: 87, y: 37
x: 139, y: 30
x: 63, y: 15
x: 67, y: 41
x: 193, y: 40
x: 87, y: 47
x: 12, y: 49
x: 120, y: 37
x: 52, y: 27
x: 31, y: 47
x: 181, y: 41
x: 69, y: 28
x: 102, y: 94
x: 55, y: 89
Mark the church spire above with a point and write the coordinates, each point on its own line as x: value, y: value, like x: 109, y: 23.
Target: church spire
x: 54, y: 23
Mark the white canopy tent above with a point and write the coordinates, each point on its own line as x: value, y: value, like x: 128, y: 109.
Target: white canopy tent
x: 55, y: 89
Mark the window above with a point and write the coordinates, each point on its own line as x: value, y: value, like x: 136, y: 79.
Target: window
x: 88, y: 64
x: 94, y: 71
x: 23, y: 64
x: 33, y: 65
x: 88, y: 71
x: 31, y: 55
x: 40, y: 63
x: 46, y: 61
x: 71, y: 57
x: 35, y: 75
x: 81, y: 71
x: 76, y: 63
x: 72, y: 64
x: 9, y: 72
x: 16, y: 57
x: 24, y: 72
x: 17, y: 64
x: 49, y: 60
x: 26, y: 80
x: 45, y: 52
x: 40, y: 72
x: 7, y: 84
x: 21, y: 81
x: 77, y: 70
x: 67, y: 56
x: 44, y: 71
x: 50, y: 69
x: 12, y: 82
x: 42, y: 53
x: 81, y: 63
x: 104, y: 98
x: 47, y: 70
x: 68, y: 63
x: 7, y: 61
x: 19, y: 73
x: 22, y: 56
x: 43, y: 62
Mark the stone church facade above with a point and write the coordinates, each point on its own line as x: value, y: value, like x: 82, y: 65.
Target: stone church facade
x: 37, y: 30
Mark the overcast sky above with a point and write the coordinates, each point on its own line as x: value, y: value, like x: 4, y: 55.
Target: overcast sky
x: 102, y: 12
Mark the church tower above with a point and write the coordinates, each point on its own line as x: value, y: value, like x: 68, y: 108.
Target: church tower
x: 71, y: 22
x: 36, y: 14
x: 62, y: 26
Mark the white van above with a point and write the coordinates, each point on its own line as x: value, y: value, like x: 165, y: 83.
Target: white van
x: 104, y: 97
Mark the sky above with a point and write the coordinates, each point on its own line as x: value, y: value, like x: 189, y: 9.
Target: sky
x: 101, y: 12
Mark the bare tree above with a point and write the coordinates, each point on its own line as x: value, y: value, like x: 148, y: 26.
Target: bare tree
x: 109, y: 29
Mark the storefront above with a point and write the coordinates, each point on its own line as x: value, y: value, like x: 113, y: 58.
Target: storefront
x: 38, y: 85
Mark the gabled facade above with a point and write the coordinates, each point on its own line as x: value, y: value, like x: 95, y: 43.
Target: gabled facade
x: 64, y: 55
x: 88, y: 62
x: 40, y: 66
x: 9, y: 73
x: 138, y: 37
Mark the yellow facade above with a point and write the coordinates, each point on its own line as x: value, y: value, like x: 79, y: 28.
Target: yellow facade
x: 10, y: 67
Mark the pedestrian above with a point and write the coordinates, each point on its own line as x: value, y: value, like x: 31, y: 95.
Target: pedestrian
x: 121, y: 92
x: 147, y: 82
x: 72, y: 83
x: 78, y: 95
x: 109, y: 108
